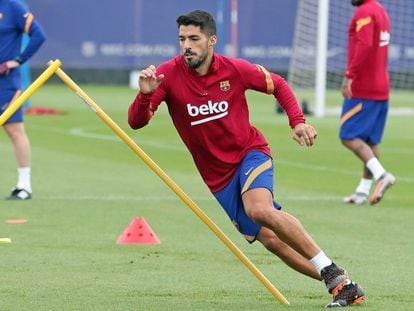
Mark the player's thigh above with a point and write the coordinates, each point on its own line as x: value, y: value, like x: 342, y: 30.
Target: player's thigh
x: 6, y: 99
x: 356, y: 119
x: 257, y: 202
x: 14, y: 130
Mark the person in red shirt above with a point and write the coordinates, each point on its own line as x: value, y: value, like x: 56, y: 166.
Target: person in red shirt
x: 366, y: 92
x: 205, y: 95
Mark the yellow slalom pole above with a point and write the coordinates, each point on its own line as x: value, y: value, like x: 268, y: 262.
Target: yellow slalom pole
x: 220, y: 234
x: 53, y: 66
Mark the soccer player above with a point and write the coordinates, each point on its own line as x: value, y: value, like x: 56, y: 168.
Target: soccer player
x: 205, y: 95
x: 366, y: 91
x: 15, y: 20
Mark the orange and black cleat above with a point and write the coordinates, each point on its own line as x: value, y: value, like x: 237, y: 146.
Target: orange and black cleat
x: 350, y: 294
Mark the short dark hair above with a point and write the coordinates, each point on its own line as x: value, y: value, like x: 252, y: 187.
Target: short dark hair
x: 199, y: 18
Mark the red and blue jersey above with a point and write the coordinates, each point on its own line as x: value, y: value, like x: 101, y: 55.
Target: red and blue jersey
x: 369, y: 38
x: 210, y: 112
x: 15, y: 20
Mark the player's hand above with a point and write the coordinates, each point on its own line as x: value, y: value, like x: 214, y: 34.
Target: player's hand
x: 6, y: 66
x: 304, y: 134
x: 346, y: 88
x: 13, y: 64
x: 148, y: 80
x: 4, y: 69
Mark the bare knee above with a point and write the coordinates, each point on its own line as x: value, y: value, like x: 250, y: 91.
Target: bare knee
x: 258, y: 204
x: 15, y: 130
x: 259, y: 212
x: 347, y: 143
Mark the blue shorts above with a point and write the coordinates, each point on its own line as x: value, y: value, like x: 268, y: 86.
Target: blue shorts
x: 363, y: 119
x: 6, y: 97
x: 255, y: 171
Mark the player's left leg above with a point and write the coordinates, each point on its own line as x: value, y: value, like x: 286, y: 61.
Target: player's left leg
x: 258, y: 204
x: 287, y: 254
x: 364, y: 152
x: 383, y: 182
x: 21, y: 146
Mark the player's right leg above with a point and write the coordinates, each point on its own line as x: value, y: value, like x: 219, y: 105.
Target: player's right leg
x: 287, y: 254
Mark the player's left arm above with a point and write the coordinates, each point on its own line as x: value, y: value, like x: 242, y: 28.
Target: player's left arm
x: 302, y: 133
x: 262, y: 80
x: 26, y: 23
x: 36, y: 38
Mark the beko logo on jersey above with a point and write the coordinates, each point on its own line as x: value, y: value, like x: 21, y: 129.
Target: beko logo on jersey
x: 211, y: 110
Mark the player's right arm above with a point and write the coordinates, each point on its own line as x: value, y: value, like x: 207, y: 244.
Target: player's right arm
x: 360, y: 45
x: 148, y: 80
x: 143, y: 107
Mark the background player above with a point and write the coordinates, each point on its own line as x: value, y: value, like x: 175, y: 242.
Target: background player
x: 15, y: 20
x: 366, y: 90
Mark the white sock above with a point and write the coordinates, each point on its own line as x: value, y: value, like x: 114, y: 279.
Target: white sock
x: 24, y: 179
x: 364, y: 186
x: 320, y: 261
x: 375, y: 168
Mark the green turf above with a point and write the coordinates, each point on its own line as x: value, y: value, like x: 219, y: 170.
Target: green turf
x: 88, y: 186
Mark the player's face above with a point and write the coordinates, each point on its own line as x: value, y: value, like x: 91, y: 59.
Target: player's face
x: 196, y: 46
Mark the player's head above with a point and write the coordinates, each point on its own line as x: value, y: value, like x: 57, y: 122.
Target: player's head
x: 357, y: 2
x: 201, y: 19
x: 197, y: 34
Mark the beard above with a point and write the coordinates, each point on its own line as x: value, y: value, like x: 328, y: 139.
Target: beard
x: 195, y: 62
x: 357, y: 2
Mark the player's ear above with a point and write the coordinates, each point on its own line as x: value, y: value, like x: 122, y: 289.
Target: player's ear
x: 212, y: 41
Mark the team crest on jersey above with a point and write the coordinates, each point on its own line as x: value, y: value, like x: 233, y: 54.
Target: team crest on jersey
x: 225, y: 85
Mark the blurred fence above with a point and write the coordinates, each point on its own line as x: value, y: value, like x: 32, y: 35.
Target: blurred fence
x: 102, y: 41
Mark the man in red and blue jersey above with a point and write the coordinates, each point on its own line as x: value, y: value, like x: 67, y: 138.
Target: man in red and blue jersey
x: 205, y: 95
x: 15, y: 20
x: 366, y: 92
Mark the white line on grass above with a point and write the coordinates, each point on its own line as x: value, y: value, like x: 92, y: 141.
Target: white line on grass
x: 170, y: 198
x: 152, y: 143
x: 167, y: 145
x: 332, y: 170
x: 401, y: 111
x: 118, y: 198
x: 170, y: 146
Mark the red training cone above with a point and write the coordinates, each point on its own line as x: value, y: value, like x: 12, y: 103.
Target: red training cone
x: 138, y: 232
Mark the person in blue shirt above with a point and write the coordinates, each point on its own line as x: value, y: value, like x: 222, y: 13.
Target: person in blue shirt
x: 16, y: 20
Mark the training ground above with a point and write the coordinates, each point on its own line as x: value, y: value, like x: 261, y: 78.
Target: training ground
x: 88, y: 185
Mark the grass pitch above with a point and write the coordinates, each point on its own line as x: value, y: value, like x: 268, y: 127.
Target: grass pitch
x: 88, y: 185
